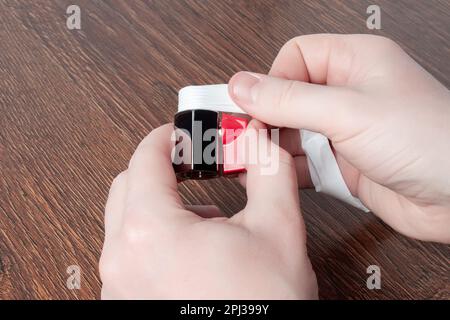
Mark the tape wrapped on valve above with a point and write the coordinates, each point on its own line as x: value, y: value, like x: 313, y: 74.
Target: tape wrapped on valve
x: 208, y: 111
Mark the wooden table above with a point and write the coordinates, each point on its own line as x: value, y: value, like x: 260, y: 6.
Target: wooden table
x: 75, y: 104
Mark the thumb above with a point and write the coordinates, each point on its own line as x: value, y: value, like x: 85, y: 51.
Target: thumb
x: 294, y: 104
x: 272, y: 190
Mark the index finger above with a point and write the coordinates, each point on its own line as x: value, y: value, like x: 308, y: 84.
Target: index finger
x: 331, y: 59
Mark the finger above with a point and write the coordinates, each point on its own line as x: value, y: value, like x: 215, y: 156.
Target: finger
x: 287, y: 103
x: 208, y: 211
x: 271, y: 182
x: 335, y: 60
x: 290, y: 63
x: 303, y: 176
x: 115, y: 205
x: 152, y: 184
x: 330, y: 59
x: 308, y: 59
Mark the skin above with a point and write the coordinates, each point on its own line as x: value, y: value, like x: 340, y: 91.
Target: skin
x: 156, y: 248
x: 389, y: 123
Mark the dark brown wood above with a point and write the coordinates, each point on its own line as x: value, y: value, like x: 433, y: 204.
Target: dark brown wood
x: 75, y: 104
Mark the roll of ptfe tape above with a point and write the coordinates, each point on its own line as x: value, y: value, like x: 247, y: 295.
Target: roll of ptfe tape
x: 325, y: 173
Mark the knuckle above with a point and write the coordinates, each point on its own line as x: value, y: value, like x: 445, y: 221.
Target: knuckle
x: 287, y: 94
x: 387, y: 44
x: 295, y: 41
x: 291, y: 42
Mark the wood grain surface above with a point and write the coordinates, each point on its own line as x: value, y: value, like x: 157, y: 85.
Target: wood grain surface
x: 75, y: 104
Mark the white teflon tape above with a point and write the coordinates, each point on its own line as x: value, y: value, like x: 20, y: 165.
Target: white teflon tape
x: 324, y: 170
x: 211, y: 97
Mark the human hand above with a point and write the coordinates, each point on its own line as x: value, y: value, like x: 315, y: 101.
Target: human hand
x: 388, y: 121
x: 156, y: 248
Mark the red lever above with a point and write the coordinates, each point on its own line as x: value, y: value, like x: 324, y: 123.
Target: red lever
x: 232, y: 127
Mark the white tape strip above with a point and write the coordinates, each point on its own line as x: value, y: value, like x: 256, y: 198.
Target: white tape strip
x: 324, y: 170
x: 213, y: 97
x: 325, y: 173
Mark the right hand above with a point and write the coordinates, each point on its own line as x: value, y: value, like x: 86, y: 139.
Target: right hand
x: 386, y: 117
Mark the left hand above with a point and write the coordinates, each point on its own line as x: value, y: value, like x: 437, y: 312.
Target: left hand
x: 156, y: 248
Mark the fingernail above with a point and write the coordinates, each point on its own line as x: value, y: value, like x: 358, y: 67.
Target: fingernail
x: 243, y: 87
